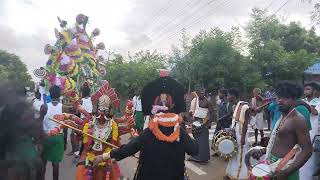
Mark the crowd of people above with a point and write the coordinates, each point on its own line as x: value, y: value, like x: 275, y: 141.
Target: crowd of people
x: 290, y: 112
x: 34, y: 134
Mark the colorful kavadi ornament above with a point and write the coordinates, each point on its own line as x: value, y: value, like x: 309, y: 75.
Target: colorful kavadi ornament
x: 73, y: 58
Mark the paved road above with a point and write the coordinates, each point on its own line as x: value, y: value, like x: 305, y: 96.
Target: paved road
x: 214, y: 170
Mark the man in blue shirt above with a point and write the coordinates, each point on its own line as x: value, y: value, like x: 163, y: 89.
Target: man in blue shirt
x: 301, y: 107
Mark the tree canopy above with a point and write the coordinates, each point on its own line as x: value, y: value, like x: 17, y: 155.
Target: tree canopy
x: 130, y: 75
x: 12, y: 69
x: 280, y: 51
x: 277, y: 51
x: 214, y: 61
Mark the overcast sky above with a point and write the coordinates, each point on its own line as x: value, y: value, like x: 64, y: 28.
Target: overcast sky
x: 128, y: 25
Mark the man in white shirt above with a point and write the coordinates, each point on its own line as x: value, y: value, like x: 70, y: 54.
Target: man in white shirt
x: 86, y: 100
x: 53, y: 145
x: 138, y: 114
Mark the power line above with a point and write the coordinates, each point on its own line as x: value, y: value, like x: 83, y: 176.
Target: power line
x: 170, y: 3
x: 270, y: 4
x: 198, y: 20
x: 164, y: 9
x: 165, y: 30
x: 284, y: 4
x: 177, y: 15
x: 160, y: 11
x: 184, y: 19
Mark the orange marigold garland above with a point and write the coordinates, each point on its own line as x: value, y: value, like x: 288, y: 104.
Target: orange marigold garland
x: 166, y: 120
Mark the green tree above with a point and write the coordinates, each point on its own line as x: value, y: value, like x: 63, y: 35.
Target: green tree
x: 180, y: 61
x: 214, y: 60
x: 280, y: 51
x: 12, y: 69
x: 315, y: 15
x: 127, y: 76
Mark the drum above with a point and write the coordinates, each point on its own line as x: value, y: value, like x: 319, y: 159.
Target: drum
x: 249, y: 160
x: 225, y: 143
x: 261, y: 171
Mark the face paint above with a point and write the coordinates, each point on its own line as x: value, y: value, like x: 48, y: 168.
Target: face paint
x: 104, y: 105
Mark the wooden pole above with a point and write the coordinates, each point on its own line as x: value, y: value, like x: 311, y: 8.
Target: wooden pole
x: 78, y: 130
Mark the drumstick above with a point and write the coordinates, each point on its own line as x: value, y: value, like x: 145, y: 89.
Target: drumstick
x: 261, y: 169
x: 229, y: 114
x: 78, y: 130
x: 263, y: 105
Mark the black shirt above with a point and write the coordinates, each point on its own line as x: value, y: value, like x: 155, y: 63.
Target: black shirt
x: 158, y: 160
x: 224, y: 109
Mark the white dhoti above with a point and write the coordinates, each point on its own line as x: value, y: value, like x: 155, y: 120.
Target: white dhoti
x: 309, y: 168
x: 258, y: 122
x: 236, y: 168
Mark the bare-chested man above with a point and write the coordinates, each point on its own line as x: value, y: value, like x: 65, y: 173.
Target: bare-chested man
x: 290, y: 130
x: 201, y: 109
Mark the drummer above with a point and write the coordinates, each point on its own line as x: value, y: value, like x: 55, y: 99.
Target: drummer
x: 225, y: 111
x: 202, y: 113
x: 290, y: 130
x: 236, y: 168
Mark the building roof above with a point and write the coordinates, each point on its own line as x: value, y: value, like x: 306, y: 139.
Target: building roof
x: 314, y: 69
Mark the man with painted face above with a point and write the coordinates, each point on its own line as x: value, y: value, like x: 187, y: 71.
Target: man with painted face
x: 99, y: 125
x: 105, y: 128
x: 290, y: 130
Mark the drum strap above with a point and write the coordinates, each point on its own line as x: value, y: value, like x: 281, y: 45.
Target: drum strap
x: 237, y: 115
x: 287, y: 158
x: 274, y: 134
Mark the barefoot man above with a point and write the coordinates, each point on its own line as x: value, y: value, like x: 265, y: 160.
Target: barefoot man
x: 290, y: 130
x: 236, y: 168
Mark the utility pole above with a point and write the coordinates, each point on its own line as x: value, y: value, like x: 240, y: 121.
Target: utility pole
x: 109, y: 52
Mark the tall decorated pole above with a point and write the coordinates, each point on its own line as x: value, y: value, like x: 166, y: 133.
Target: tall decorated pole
x: 73, y: 59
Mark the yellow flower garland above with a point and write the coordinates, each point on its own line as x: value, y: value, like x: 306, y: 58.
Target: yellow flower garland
x: 115, y: 132
x: 91, y: 156
x: 86, y: 130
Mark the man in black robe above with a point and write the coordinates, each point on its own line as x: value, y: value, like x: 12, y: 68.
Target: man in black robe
x: 159, y: 159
